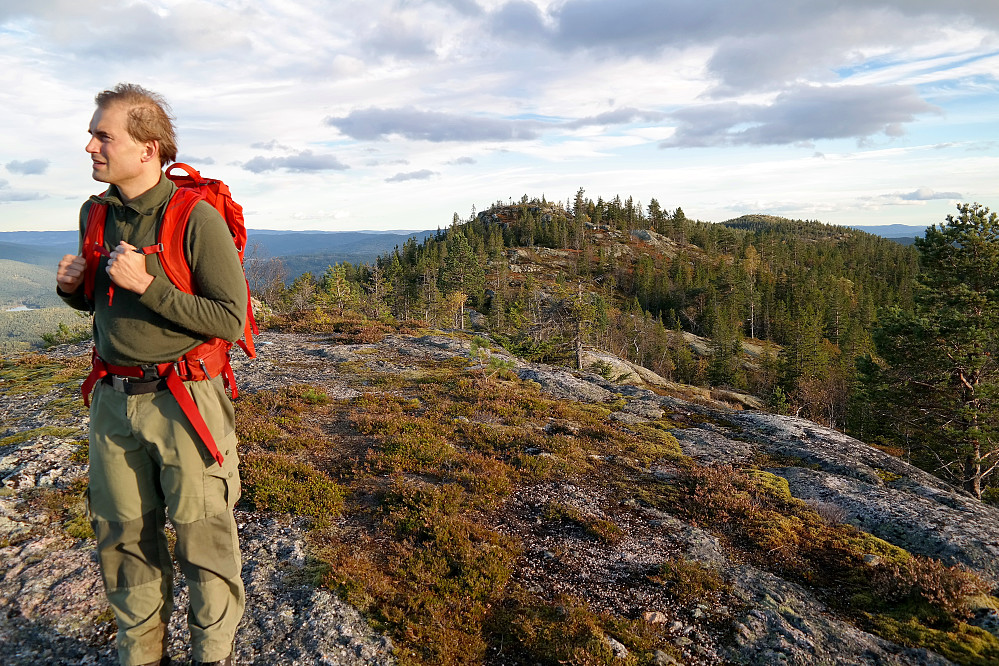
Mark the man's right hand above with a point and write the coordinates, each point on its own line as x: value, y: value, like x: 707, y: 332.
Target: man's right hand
x: 69, y: 275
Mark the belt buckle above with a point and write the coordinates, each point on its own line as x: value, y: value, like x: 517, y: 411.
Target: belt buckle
x: 118, y: 383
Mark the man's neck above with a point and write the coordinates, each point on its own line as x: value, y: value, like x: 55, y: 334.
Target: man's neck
x: 135, y: 188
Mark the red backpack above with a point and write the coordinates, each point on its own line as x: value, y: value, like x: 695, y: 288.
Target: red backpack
x: 210, y: 358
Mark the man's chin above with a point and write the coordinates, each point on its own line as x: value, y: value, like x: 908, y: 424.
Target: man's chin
x: 100, y: 175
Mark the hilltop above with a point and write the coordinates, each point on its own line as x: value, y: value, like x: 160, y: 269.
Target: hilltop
x: 476, y: 508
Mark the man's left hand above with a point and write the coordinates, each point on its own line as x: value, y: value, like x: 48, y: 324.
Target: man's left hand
x: 127, y: 268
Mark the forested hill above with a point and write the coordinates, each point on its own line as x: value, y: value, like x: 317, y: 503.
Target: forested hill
x: 551, y: 279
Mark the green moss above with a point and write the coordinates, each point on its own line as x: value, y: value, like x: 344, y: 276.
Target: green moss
x: 887, y: 476
x: 106, y: 616
x: 314, y: 572
x: 64, y: 407
x: 81, y: 453
x: 78, y: 527
x: 37, y: 433
x: 962, y: 643
x: 771, y: 484
x: 617, y: 404
x: 653, y: 444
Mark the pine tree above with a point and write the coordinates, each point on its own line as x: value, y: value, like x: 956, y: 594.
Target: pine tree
x: 937, y: 378
x: 336, y: 290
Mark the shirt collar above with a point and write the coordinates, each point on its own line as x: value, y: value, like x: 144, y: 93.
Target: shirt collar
x: 144, y: 204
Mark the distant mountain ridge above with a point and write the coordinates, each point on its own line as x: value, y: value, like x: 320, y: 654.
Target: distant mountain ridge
x: 893, y: 230
x: 301, y: 251
x: 367, y: 244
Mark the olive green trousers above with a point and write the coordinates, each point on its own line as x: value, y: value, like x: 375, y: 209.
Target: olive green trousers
x: 147, y: 464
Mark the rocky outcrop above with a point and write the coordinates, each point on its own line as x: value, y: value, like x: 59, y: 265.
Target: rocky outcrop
x: 55, y: 612
x: 667, y: 246
x: 621, y: 371
x: 876, y: 492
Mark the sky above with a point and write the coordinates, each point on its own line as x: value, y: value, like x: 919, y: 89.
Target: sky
x: 399, y: 114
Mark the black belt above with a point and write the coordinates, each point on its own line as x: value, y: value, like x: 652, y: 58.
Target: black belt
x: 133, y: 386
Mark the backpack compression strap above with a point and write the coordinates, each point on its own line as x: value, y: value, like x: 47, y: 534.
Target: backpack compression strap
x: 185, y: 369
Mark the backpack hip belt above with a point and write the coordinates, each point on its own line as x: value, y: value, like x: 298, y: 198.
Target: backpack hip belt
x: 204, y: 362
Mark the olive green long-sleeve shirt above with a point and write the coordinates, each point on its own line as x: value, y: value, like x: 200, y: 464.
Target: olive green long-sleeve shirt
x: 164, y: 323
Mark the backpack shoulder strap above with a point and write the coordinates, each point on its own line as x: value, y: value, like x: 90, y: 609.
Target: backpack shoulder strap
x: 173, y: 228
x: 93, y: 248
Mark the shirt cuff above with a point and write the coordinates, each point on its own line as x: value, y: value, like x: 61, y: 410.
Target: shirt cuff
x: 156, y: 293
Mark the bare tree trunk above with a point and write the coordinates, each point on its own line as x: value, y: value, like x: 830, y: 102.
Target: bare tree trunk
x: 973, y: 472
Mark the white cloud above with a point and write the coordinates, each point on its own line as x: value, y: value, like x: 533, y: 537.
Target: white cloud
x: 927, y: 194
x: 801, y: 114
x: 303, y: 161
x: 522, y: 96
x: 374, y: 124
x: 423, y: 174
x: 8, y: 195
x: 193, y: 160
x: 28, y: 167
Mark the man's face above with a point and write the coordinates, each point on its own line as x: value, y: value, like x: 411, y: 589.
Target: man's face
x: 117, y: 158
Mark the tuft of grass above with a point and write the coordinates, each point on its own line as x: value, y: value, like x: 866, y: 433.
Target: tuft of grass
x: 36, y: 433
x: 654, y: 444
x: 64, y: 507
x: 274, y: 482
x: 886, y: 476
x: 940, y: 590
x: 564, y: 630
x: 601, y: 529
x: 689, y: 581
x: 274, y: 419
x: 37, y: 374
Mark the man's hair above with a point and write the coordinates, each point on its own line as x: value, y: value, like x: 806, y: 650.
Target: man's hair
x: 149, y: 116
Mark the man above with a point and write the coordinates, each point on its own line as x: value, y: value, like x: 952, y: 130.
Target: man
x: 146, y: 459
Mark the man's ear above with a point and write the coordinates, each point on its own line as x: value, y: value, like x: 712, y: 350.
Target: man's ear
x: 151, y: 150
